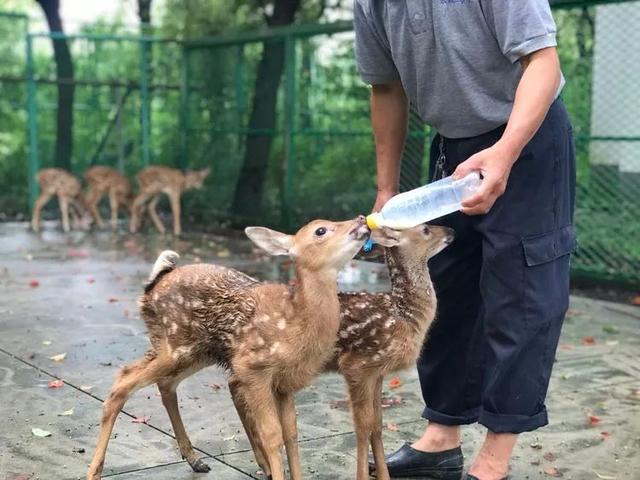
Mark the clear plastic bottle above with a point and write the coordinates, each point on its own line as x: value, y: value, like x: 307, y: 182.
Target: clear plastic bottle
x: 425, y: 203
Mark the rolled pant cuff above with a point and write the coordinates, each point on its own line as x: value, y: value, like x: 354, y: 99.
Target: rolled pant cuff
x: 500, y: 423
x: 465, y: 418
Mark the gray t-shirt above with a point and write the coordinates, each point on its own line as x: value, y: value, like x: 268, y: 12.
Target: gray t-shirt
x: 457, y: 59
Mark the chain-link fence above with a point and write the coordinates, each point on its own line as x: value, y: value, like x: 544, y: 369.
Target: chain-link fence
x: 283, y: 120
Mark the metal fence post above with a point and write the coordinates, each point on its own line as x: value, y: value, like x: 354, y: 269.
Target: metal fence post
x: 184, y: 108
x: 32, y: 115
x: 145, y: 107
x: 288, y: 199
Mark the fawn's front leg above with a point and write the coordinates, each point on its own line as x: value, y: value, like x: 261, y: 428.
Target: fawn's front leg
x: 361, y: 397
x: 261, y: 404
x: 287, y: 413
x: 63, y: 200
x: 37, y: 210
x: 249, y: 426
x: 136, y: 210
x: 113, y: 205
x: 174, y: 198
x: 377, y: 446
x: 93, y: 197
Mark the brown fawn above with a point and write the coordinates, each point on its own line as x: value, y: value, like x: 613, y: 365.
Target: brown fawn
x: 382, y: 333
x: 108, y: 181
x: 59, y: 182
x: 156, y: 180
x: 273, y: 339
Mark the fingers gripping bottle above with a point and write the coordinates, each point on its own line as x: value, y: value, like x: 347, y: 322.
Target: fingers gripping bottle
x: 425, y: 203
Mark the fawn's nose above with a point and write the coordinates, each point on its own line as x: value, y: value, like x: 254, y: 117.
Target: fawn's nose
x: 361, y: 219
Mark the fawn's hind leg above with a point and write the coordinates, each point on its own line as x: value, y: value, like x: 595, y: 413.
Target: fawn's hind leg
x: 377, y: 446
x: 153, y: 213
x: 170, y: 402
x: 133, y: 377
x: 37, y: 210
x: 362, y: 396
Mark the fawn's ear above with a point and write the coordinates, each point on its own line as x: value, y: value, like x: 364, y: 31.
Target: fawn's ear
x: 272, y: 242
x: 386, y: 237
x: 204, y: 173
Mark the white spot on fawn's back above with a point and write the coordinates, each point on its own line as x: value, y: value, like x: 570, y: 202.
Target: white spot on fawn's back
x: 282, y: 324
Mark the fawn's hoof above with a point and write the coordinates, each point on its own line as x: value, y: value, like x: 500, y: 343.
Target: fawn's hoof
x: 199, y: 466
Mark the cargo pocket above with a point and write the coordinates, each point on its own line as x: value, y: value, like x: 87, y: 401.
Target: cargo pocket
x: 546, y: 276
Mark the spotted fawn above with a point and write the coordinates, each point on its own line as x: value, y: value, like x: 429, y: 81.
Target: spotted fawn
x: 156, y: 180
x: 108, y: 181
x: 273, y: 339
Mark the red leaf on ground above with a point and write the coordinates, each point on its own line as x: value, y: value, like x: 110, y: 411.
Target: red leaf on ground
x: 113, y: 300
x: 566, y: 346
x: 19, y: 476
x: 34, y: 283
x: 392, y: 427
x: 91, y: 280
x: 391, y: 401
x: 394, y: 383
x: 552, y: 472
x: 77, y: 253
x: 636, y: 300
x: 605, y: 435
x: 56, y: 383
x: 593, y: 419
x: 589, y: 340
x: 143, y: 419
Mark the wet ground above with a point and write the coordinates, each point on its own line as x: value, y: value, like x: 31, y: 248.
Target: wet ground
x: 74, y: 296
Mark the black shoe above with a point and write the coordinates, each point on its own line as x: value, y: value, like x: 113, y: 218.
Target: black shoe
x: 468, y: 476
x: 407, y: 462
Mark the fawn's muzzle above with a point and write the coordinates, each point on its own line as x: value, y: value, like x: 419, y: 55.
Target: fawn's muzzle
x: 360, y: 231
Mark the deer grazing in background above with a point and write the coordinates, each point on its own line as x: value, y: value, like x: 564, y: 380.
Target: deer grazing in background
x: 156, y: 180
x: 108, y: 181
x: 273, y: 339
x: 59, y: 182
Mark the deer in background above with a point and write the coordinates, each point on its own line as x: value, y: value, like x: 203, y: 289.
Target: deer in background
x: 273, y: 339
x: 156, y: 180
x: 103, y: 180
x: 59, y: 182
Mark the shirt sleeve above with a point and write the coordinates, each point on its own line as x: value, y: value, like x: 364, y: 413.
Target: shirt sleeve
x: 373, y: 55
x: 521, y: 27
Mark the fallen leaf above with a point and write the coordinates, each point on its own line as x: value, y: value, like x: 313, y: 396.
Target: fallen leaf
x: 604, y: 477
x: 391, y: 401
x: 572, y: 312
x: 143, y: 419
x: 46, y: 342
x: 550, y: 457
x: 593, y: 419
x: 589, y: 340
x: 77, y: 253
x: 566, y: 346
x: 34, y: 283
x: 113, y: 299
x: 78, y: 450
x: 227, y: 439
x: 19, y: 476
x: 392, y: 427
x: 58, y: 358
x: 223, y: 253
x: 56, y: 383
x: 634, y: 394
x: 91, y: 280
x: 610, y: 329
x: 605, y: 435
x: 394, y: 383
x: 86, y: 388
x: 552, y: 472
x: 536, y: 445
x: 38, y: 432
x: 66, y: 413
x: 635, y: 300
x: 215, y: 386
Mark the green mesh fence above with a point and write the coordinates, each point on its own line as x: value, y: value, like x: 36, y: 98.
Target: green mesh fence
x: 283, y: 120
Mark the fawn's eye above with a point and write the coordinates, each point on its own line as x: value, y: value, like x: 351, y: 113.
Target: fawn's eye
x: 320, y: 231
x: 426, y: 230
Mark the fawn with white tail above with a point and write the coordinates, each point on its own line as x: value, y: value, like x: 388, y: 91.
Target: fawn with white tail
x: 59, y: 182
x: 108, y: 181
x: 273, y: 339
x: 156, y: 180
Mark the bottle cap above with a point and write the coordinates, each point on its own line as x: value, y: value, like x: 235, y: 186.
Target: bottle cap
x: 372, y: 220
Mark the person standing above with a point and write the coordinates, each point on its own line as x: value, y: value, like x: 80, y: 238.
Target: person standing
x: 485, y: 75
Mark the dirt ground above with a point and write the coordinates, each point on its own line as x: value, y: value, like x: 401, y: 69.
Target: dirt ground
x: 74, y: 296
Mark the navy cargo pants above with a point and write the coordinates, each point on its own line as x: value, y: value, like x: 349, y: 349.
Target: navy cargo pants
x: 503, y: 288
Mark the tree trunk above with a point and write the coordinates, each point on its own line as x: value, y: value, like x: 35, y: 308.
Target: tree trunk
x: 249, y: 191
x: 66, y: 87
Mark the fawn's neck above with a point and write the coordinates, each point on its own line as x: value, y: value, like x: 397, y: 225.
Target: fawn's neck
x: 412, y: 293
x: 315, y: 303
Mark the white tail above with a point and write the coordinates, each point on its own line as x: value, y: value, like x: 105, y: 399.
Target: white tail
x: 166, y: 262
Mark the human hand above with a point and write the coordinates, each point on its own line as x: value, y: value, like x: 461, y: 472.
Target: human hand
x: 383, y: 197
x: 494, y: 163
